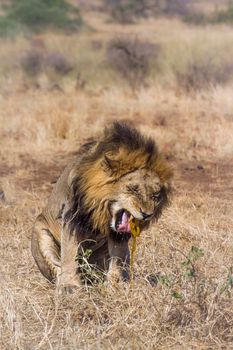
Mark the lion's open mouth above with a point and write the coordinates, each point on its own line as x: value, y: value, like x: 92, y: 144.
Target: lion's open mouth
x: 123, y: 221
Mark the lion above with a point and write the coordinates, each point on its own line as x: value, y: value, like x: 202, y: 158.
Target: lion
x: 115, y: 177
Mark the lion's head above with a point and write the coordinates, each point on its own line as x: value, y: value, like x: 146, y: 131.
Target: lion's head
x: 140, y: 195
x: 121, y: 176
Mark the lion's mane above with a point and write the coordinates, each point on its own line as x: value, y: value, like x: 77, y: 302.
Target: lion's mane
x: 120, y: 150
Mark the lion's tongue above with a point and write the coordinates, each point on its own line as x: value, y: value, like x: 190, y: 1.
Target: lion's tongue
x: 124, y: 225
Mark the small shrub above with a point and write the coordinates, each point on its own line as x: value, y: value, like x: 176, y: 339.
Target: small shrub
x: 90, y: 274
x: 177, y: 7
x: 197, y: 18
x: 185, y: 10
x: 58, y: 63
x: 32, y: 63
x: 37, y: 15
x: 9, y: 28
x: 224, y: 16
x: 203, y: 74
x: 125, y: 11
x: 131, y: 58
x: 53, y: 64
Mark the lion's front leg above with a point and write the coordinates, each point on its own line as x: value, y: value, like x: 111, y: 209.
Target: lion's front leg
x: 119, y: 261
x: 69, y: 279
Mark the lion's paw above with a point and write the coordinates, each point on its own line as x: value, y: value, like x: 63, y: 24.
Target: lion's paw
x: 67, y: 289
x: 67, y: 285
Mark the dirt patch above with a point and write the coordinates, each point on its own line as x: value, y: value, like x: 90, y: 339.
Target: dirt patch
x: 38, y: 175
x: 212, y: 177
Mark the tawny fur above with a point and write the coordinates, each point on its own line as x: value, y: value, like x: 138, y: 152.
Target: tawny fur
x: 79, y: 209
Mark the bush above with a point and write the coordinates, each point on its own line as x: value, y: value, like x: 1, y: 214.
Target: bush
x: 37, y: 15
x: 224, y: 15
x: 9, y: 28
x: 203, y: 74
x: 196, y: 18
x: 53, y: 64
x: 132, y: 58
x: 32, y: 63
x: 58, y: 63
x: 177, y: 7
x: 125, y: 11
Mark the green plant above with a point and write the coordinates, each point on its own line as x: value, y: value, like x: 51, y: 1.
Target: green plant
x: 197, y: 18
x: 229, y: 282
x: 185, y: 278
x: 125, y: 11
x: 177, y: 295
x: 89, y: 272
x: 224, y: 16
x: 189, y: 263
x: 37, y: 15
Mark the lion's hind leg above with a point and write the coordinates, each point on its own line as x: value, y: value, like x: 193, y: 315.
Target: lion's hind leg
x: 45, y: 250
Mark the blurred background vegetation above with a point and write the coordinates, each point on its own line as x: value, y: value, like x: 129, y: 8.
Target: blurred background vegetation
x: 183, y: 44
x: 38, y: 15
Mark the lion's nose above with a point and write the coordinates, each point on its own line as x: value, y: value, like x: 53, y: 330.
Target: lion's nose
x: 145, y: 215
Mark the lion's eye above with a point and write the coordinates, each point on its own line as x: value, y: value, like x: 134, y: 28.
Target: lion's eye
x: 156, y: 195
x: 133, y: 189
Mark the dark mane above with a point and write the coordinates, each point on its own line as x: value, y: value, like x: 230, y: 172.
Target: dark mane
x: 121, y: 134
x: 78, y: 217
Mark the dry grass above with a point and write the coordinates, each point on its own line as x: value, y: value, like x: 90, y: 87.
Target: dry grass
x: 188, y: 304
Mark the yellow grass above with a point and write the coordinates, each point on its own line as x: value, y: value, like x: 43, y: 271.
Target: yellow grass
x: 39, y: 131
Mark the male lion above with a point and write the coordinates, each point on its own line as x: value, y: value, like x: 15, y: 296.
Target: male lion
x: 114, y: 178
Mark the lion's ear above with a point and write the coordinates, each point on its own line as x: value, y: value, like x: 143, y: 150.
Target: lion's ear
x: 109, y: 165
